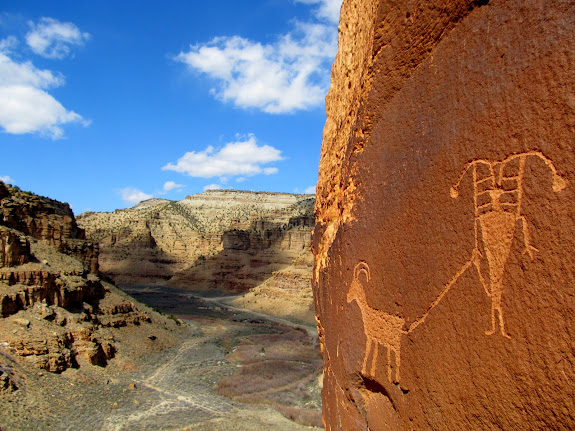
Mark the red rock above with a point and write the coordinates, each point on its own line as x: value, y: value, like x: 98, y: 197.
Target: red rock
x: 54, y: 309
x: 47, y: 220
x: 14, y: 248
x: 445, y: 227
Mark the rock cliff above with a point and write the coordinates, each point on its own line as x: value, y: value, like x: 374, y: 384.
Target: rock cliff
x: 444, y: 272
x: 47, y: 220
x: 55, y: 310
x: 221, y: 239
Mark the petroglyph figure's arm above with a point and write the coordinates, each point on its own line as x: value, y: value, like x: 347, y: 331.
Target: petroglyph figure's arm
x: 446, y: 288
x: 454, y: 190
x: 529, y: 249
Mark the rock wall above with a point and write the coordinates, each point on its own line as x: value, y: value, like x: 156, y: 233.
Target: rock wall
x: 252, y: 256
x: 220, y: 239
x: 55, y: 311
x: 444, y: 270
x: 47, y: 220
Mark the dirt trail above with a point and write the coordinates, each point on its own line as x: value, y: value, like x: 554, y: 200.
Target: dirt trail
x: 180, y: 394
x: 223, y: 302
x: 175, y: 389
x: 184, y: 386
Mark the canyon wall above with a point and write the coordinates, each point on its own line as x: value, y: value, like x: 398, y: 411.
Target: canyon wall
x: 444, y: 275
x: 225, y: 240
x: 55, y: 310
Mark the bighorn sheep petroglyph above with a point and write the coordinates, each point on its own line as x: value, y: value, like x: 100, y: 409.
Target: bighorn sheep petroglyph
x: 379, y: 327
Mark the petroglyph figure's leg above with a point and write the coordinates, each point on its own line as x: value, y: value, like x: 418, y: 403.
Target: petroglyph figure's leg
x: 496, y: 308
x: 373, y: 360
x: 492, y: 330
x: 477, y: 262
x: 501, y: 323
x: 388, y: 363
x: 397, y: 365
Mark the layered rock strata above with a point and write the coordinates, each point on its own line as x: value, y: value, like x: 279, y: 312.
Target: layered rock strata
x: 47, y: 220
x: 55, y: 311
x: 221, y: 239
x: 445, y: 227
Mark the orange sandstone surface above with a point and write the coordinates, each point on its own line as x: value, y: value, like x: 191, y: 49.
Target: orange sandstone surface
x: 444, y: 278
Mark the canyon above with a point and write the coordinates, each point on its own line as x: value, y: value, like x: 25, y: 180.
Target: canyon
x: 56, y: 311
x: 444, y: 272
x: 76, y: 352
x: 220, y: 242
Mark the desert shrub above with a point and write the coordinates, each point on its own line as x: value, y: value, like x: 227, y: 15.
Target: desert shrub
x: 306, y: 417
x: 175, y: 319
x: 262, y: 377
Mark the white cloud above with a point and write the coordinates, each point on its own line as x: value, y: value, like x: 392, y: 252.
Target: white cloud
x: 328, y: 9
x: 6, y: 179
x: 242, y: 158
x: 212, y: 187
x: 171, y: 185
x: 133, y: 196
x: 8, y: 44
x: 51, y: 38
x: 25, y: 105
x: 310, y: 190
x: 13, y: 73
x: 288, y: 75
x: 26, y: 109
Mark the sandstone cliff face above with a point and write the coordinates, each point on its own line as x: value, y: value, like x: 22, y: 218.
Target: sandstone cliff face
x: 221, y: 239
x: 286, y: 293
x: 47, y: 220
x: 54, y: 309
x: 444, y: 274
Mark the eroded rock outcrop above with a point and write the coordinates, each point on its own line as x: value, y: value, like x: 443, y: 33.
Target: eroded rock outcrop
x: 47, y: 220
x: 55, y: 311
x: 250, y: 256
x: 14, y: 248
x: 220, y: 239
x: 444, y: 273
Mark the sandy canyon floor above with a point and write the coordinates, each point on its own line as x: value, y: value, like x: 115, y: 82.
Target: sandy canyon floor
x: 233, y: 370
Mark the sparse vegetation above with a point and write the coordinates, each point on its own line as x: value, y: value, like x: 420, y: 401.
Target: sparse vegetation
x: 175, y: 319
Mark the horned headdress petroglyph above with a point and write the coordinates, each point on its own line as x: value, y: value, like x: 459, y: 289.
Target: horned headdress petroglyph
x: 498, y: 194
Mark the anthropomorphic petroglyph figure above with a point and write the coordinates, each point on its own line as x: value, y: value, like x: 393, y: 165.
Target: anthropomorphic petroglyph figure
x: 498, y: 193
x: 379, y: 327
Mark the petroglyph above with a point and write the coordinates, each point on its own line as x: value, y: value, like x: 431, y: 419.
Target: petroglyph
x: 379, y: 327
x: 383, y: 328
x: 498, y: 194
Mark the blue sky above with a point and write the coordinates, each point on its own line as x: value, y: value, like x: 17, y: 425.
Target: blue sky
x: 105, y: 103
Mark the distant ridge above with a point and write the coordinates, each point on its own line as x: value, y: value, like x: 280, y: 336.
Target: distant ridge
x: 150, y: 203
x: 229, y: 240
